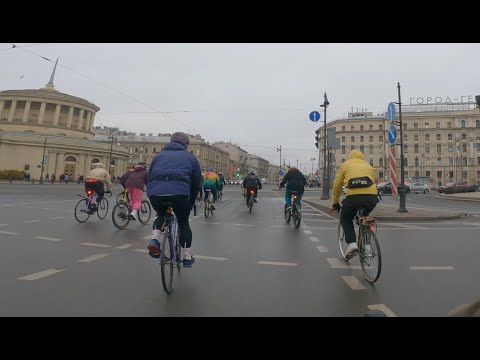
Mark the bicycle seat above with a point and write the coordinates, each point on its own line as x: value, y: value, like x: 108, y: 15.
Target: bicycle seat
x: 366, y: 219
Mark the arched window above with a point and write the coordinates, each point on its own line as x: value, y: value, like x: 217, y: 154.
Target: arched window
x: 477, y: 123
x: 95, y: 160
x: 462, y: 123
x: 71, y: 158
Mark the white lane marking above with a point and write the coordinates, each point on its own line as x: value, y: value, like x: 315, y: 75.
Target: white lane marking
x: 314, y: 239
x: 40, y: 274
x: 140, y: 250
x: 354, y: 283
x: 125, y: 246
x: 308, y: 232
x: 311, y: 214
x: 48, y: 209
x: 322, y: 248
x: 98, y: 245
x: 195, y: 217
x: 56, y: 201
x: 26, y: 204
x: 384, y: 308
x: 46, y: 238
x: 28, y: 207
x: 93, y: 258
x: 7, y: 205
x: 9, y: 233
x: 326, y: 228
x: 3, y: 224
x: 242, y: 224
x: 31, y: 221
x: 42, y: 202
x: 280, y: 226
x: 205, y: 222
x: 147, y: 237
x: 407, y: 226
x: 210, y: 257
x: 335, y: 263
x: 58, y: 217
x: 277, y: 263
x: 321, y: 212
x: 431, y: 268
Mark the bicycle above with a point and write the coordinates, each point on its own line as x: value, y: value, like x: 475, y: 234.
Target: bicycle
x: 121, y: 211
x: 294, y: 211
x: 81, y: 213
x: 207, y: 203
x: 368, y: 246
x: 171, y: 251
x: 251, y: 191
x: 198, y: 201
x: 219, y: 195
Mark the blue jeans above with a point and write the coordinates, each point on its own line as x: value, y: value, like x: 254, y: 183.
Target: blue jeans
x: 288, y: 199
x: 214, y: 191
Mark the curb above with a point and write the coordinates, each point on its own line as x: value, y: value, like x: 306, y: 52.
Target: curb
x: 456, y: 198
x: 393, y: 218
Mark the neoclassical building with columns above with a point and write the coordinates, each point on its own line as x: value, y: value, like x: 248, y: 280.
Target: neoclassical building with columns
x: 53, y: 126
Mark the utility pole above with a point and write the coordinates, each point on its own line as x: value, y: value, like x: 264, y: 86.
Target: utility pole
x: 402, y: 191
x: 325, y: 192
x: 43, y: 160
x: 280, y: 163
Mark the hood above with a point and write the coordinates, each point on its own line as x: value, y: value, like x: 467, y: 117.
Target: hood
x: 139, y: 167
x: 175, y: 146
x: 356, y: 154
x: 98, y: 165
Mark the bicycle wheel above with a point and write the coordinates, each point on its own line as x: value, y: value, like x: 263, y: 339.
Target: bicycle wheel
x: 219, y: 196
x: 288, y: 216
x: 166, y: 263
x: 102, y: 210
x: 119, y: 198
x: 178, y: 247
x: 145, y: 212
x: 370, y: 255
x: 120, y: 216
x: 342, y: 244
x: 250, y: 204
x: 296, y: 217
x: 195, y: 210
x: 80, y: 213
x: 206, y: 207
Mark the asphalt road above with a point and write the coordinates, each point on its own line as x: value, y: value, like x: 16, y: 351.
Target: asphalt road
x: 247, y: 264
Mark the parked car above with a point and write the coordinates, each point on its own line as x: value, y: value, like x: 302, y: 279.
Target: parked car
x: 419, y: 188
x: 385, y: 188
x: 474, y: 187
x: 454, y: 187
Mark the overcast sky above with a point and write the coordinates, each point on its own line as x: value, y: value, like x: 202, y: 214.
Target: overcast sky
x: 251, y: 94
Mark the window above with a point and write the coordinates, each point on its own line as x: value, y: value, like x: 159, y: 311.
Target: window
x: 416, y: 161
x: 417, y: 173
x: 405, y: 137
x: 439, y: 148
x: 371, y: 149
x: 426, y: 125
x: 450, y: 161
x: 343, y: 128
x: 343, y: 160
x: 477, y: 123
x: 380, y: 161
x: 405, y: 148
x: 478, y: 174
x: 464, y: 174
x: 361, y: 127
x: 449, y: 125
x: 427, y: 148
x: 405, y: 174
x: 380, y: 138
x: 439, y: 161
x: 154, y: 150
x: 361, y: 139
x: 427, y: 137
x: 478, y: 146
x: 380, y: 174
x: 146, y: 150
x: 450, y: 174
x: 362, y: 148
x: 405, y: 161
x: 450, y: 136
x: 405, y: 126
x: 464, y: 161
x: 478, y: 160
x: 439, y: 174
x: 415, y: 125
x: 370, y: 138
x: 371, y: 161
x: 450, y: 147
x: 439, y: 137
x: 437, y: 125
x: 343, y: 138
x: 343, y: 149
x: 352, y: 138
x: 462, y: 123
x: 370, y: 127
x: 380, y: 127
x: 464, y: 136
x: 352, y: 128
x: 136, y: 149
x: 415, y: 137
x: 415, y: 148
x: 464, y: 147
x: 352, y: 147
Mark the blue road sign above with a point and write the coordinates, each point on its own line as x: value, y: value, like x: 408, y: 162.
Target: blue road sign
x: 391, y: 111
x: 280, y: 173
x: 314, y: 116
x: 392, y: 134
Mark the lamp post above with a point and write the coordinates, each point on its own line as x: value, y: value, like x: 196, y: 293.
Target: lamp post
x: 325, y: 192
x: 312, y: 160
x: 112, y: 138
x: 280, y: 164
x: 402, y: 191
x: 43, y: 160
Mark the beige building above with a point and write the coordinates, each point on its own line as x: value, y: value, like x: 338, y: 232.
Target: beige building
x: 238, y: 159
x: 441, y: 141
x: 145, y: 147
x: 46, y: 121
x: 258, y: 165
x: 272, y: 173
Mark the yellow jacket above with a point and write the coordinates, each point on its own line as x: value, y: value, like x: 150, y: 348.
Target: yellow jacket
x: 354, y: 167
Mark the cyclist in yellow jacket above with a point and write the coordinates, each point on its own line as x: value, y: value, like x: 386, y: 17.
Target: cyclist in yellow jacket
x: 358, y: 177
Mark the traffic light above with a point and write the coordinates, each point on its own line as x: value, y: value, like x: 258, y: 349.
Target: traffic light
x: 238, y: 174
x: 316, y: 138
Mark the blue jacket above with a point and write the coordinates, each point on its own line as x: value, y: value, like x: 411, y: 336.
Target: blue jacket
x: 174, y: 171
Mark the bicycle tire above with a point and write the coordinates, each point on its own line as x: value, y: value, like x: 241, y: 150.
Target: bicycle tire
x: 206, y: 208
x: 145, y: 212
x: 365, y: 254
x: 124, y: 210
x: 195, y: 210
x: 79, y: 210
x: 342, y: 244
x: 102, y: 207
x: 296, y: 219
x: 178, y: 248
x: 288, y: 216
x: 250, y: 204
x: 166, y: 263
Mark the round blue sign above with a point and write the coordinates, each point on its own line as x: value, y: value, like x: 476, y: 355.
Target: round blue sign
x: 392, y: 134
x: 314, y: 116
x: 391, y: 111
x: 280, y: 173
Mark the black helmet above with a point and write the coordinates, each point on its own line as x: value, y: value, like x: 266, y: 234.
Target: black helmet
x: 252, y: 172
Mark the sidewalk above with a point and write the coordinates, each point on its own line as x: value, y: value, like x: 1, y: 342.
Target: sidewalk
x: 470, y: 196
x: 389, y: 212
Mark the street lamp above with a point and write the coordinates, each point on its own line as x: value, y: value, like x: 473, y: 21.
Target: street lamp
x: 280, y: 164
x: 403, y: 190
x: 43, y: 160
x: 325, y: 192
x: 112, y: 138
x: 312, y: 160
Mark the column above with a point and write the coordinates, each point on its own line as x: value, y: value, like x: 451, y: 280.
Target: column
x: 52, y: 159
x: 81, y: 165
x: 80, y: 119
x: 57, y: 115
x: 88, y: 165
x: 91, y: 122
x: 2, y: 105
x: 70, y: 117
x: 26, y: 112
x: 87, y: 123
x: 12, y: 110
x: 60, y: 163
x: 42, y: 112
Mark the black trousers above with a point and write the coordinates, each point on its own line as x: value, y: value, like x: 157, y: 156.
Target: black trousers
x: 350, y: 206
x: 181, y: 207
x: 98, y: 188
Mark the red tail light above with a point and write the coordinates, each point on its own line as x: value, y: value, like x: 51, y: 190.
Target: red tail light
x: 169, y: 211
x: 372, y: 227
x: 252, y: 192
x: 294, y: 196
x: 89, y: 192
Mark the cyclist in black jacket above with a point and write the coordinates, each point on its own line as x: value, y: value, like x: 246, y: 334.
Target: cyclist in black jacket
x: 295, y: 182
x: 252, y: 182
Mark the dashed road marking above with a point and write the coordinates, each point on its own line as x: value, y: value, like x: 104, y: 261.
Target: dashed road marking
x: 58, y: 217
x: 353, y: 282
x: 31, y: 221
x: 205, y: 222
x: 335, y: 263
x: 3, y: 224
x: 314, y: 239
x: 242, y: 224
x: 280, y: 226
x: 322, y: 248
x: 210, y: 257
x: 93, y: 258
x: 125, y: 246
x: 384, y: 308
x: 47, y: 238
x: 9, y: 233
x: 40, y: 274
x: 277, y: 263
x: 406, y: 226
x: 141, y: 250
x: 147, y: 237
x: 308, y: 232
x: 97, y: 245
x: 431, y: 268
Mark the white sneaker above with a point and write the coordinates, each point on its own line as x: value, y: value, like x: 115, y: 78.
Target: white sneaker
x: 135, y: 214
x: 352, y: 250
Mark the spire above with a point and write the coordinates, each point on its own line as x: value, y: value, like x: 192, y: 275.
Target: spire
x: 50, y: 85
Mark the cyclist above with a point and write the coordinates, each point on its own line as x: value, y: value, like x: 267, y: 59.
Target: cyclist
x: 252, y: 181
x: 358, y: 177
x: 134, y: 184
x: 96, y: 179
x: 295, y: 181
x: 212, y: 182
x: 174, y: 178
x: 222, y: 181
